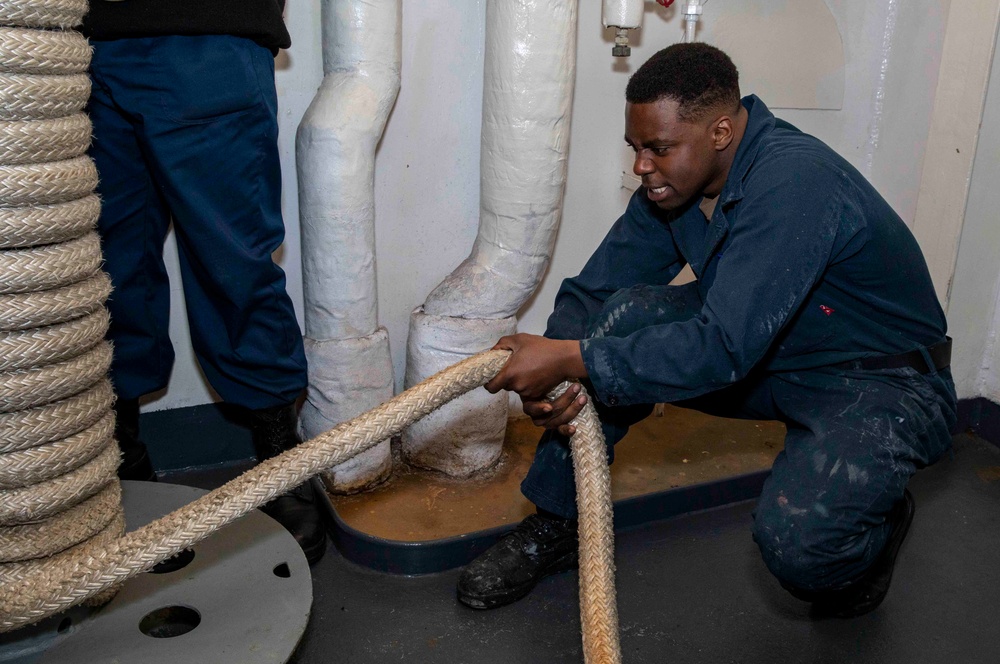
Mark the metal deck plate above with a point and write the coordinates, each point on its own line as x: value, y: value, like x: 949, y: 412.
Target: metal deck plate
x: 244, y: 598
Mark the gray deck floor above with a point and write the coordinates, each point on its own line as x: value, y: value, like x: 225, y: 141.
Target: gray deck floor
x: 693, y: 589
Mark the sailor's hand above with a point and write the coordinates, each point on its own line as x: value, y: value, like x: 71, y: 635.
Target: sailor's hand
x: 537, y: 365
x: 557, y: 413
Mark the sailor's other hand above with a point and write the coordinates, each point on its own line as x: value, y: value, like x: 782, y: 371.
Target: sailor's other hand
x: 557, y: 413
x: 537, y: 365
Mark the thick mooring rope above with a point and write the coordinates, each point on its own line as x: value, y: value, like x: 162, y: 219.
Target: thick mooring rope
x: 58, y: 457
x: 71, y: 577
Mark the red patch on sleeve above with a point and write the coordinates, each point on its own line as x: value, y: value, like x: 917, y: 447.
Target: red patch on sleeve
x: 825, y: 309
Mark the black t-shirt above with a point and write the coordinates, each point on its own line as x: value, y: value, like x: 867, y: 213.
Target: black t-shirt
x: 259, y: 20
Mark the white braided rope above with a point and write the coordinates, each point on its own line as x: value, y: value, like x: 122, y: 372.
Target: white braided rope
x: 20, y: 311
x: 49, y: 266
x: 27, y: 388
x: 28, y: 51
x: 598, y: 604
x: 44, y: 184
x: 42, y: 13
x: 44, y: 462
x: 16, y: 571
x: 33, y: 96
x: 63, y: 530
x: 41, y: 500
x: 49, y: 139
x: 47, y: 224
x: 43, y: 139
x: 20, y: 349
x: 22, y: 429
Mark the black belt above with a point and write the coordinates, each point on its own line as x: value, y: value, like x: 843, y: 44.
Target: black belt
x: 940, y: 354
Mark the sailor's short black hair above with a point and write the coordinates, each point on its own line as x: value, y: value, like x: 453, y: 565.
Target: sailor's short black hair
x: 697, y: 76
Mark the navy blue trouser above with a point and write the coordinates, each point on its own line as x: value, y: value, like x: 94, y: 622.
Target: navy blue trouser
x: 854, y: 440
x: 186, y: 128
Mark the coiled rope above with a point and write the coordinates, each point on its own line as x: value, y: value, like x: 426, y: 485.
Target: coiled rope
x: 78, y: 574
x: 58, y: 457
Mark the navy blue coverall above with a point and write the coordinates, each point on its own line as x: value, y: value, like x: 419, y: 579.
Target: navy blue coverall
x: 802, y: 269
x: 186, y: 127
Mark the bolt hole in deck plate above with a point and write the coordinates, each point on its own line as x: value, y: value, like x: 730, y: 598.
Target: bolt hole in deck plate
x: 179, y: 560
x: 242, y: 596
x: 170, y: 621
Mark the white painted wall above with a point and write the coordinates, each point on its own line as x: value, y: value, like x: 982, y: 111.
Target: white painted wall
x: 427, y: 181
x: 974, y: 310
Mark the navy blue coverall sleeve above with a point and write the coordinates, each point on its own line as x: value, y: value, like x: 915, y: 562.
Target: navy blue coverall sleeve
x: 616, y: 265
x: 778, y: 243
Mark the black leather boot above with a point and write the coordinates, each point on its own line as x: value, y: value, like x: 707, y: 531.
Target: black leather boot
x: 135, y: 464
x: 298, y: 510
x: 541, y: 545
x: 866, y: 594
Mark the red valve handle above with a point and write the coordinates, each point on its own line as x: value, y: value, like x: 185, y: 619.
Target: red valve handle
x: 665, y: 3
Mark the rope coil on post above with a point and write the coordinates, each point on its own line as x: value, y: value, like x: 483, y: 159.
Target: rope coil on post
x: 49, y: 266
x: 19, y: 311
x: 45, y: 462
x: 60, y: 14
x: 34, y: 97
x: 58, y: 533
x: 53, y: 343
x: 42, y: 500
x: 27, y: 51
x: 46, y: 224
x: 51, y: 139
x: 43, y: 424
x: 58, y: 457
x: 27, y: 388
x: 41, y: 184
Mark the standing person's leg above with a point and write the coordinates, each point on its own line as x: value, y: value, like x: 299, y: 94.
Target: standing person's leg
x: 213, y: 145
x: 210, y: 129
x: 133, y: 225
x: 833, y: 513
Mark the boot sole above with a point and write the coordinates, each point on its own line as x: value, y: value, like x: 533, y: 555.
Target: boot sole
x: 511, y: 595
x: 870, y: 604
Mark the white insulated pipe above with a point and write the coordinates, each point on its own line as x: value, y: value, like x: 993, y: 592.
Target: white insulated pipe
x: 529, y: 70
x: 350, y: 370
x: 335, y: 158
x: 529, y: 75
x: 622, y: 13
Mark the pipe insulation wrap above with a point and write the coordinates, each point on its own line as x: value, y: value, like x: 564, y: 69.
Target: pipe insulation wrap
x: 622, y: 13
x: 335, y: 158
x: 466, y: 435
x: 350, y: 368
x: 346, y: 378
x: 361, y: 34
x: 529, y: 63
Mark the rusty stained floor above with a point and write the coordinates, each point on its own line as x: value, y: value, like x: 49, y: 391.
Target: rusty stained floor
x: 679, y: 448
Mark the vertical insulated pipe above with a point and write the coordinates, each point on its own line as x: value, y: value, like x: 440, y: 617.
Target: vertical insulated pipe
x: 350, y: 369
x: 529, y: 75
